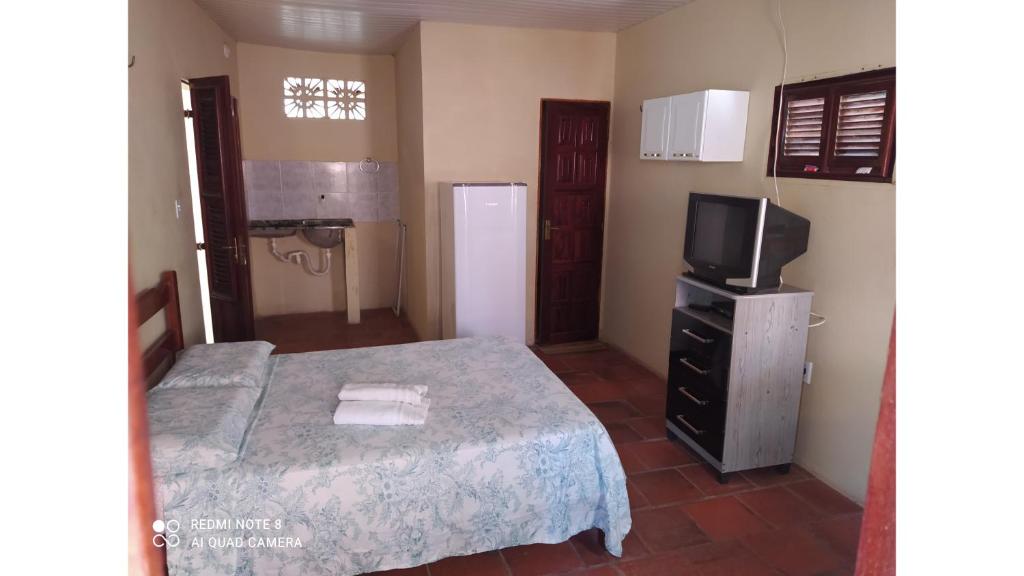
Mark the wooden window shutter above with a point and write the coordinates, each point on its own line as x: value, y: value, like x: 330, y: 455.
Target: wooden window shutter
x: 804, y: 131
x: 859, y: 125
x: 210, y: 109
x: 805, y: 126
x: 836, y: 128
x: 863, y: 140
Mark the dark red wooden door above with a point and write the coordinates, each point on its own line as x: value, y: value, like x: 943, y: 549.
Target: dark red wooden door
x: 574, y: 156
x: 222, y: 197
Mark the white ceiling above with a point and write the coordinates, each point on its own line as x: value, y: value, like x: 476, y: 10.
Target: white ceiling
x: 377, y: 26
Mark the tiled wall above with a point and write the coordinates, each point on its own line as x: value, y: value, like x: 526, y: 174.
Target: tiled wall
x: 295, y: 190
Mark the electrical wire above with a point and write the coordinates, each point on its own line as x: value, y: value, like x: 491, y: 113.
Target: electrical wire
x: 778, y: 136
x: 778, y: 115
x: 782, y: 88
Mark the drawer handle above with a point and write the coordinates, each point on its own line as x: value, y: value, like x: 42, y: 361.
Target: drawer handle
x: 697, y: 337
x: 688, y: 425
x: 698, y: 370
x: 696, y: 400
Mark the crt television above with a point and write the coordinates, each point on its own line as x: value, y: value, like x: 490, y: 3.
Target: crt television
x: 741, y: 243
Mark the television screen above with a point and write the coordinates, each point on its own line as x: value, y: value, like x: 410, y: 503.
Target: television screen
x: 723, y: 234
x: 741, y: 243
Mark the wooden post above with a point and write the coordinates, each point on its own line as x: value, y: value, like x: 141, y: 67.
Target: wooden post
x: 351, y: 275
x: 144, y: 558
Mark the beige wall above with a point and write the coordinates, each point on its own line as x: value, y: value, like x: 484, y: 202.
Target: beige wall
x: 409, y: 83
x: 850, y: 263
x: 267, y: 134
x: 285, y: 288
x: 482, y: 91
x: 171, y: 40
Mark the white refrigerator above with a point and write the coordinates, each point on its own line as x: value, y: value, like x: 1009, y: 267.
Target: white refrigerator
x: 483, y: 259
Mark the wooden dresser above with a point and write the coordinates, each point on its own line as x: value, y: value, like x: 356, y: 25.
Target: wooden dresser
x: 734, y: 383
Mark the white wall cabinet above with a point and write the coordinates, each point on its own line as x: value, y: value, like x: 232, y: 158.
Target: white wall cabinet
x: 686, y: 126
x: 654, y: 129
x: 705, y: 126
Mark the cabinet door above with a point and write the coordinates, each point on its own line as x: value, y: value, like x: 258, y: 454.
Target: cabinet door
x: 654, y: 131
x: 686, y: 134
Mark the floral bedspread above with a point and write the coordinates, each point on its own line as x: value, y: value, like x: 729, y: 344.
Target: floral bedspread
x: 508, y: 456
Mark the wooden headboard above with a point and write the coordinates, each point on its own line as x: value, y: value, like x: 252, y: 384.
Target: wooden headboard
x: 159, y: 357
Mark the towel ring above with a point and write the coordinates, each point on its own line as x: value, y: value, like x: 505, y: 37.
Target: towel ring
x: 365, y: 164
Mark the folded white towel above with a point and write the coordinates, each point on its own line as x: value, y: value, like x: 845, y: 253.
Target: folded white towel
x: 374, y: 413
x: 384, y: 392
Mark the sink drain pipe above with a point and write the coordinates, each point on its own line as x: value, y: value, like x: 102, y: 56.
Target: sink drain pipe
x: 300, y: 257
x: 397, y: 308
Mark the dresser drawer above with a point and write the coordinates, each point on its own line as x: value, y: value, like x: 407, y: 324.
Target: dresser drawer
x: 703, y: 420
x: 700, y: 339
x: 698, y: 373
x: 707, y: 408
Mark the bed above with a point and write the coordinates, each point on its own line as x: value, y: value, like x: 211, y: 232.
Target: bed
x: 507, y: 456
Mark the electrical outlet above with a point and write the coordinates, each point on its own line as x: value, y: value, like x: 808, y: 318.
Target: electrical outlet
x: 177, y: 209
x: 808, y: 368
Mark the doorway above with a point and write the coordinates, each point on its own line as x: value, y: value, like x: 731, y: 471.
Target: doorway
x: 222, y: 224
x: 573, y: 174
x: 197, y: 212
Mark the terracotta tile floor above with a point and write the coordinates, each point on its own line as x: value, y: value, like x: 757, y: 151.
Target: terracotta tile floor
x: 684, y: 521
x: 331, y: 331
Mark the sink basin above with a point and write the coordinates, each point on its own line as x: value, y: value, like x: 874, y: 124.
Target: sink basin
x: 321, y: 232
x: 323, y: 237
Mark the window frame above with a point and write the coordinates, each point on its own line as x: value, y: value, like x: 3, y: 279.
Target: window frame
x: 831, y: 167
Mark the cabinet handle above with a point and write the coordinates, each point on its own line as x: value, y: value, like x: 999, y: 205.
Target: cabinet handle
x: 701, y: 371
x: 696, y: 400
x: 697, y: 337
x: 688, y: 425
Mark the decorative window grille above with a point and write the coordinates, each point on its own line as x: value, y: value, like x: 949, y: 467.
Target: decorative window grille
x: 346, y: 99
x: 303, y: 97
x: 319, y: 98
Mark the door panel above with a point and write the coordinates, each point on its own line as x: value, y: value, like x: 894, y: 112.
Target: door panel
x: 222, y: 200
x: 574, y: 156
x: 654, y: 129
x: 687, y: 117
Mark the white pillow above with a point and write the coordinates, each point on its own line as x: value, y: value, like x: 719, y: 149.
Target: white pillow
x: 225, y: 364
x: 193, y: 429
